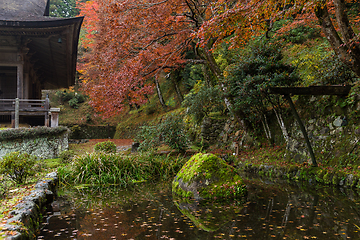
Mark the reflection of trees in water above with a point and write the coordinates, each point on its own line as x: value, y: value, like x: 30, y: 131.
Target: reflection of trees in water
x: 322, y: 213
x: 270, y: 211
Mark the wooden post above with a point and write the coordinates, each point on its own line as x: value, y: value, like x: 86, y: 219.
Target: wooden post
x: 54, y: 117
x: 47, y: 107
x: 302, y: 128
x: 236, y: 148
x: 12, y: 119
x: 16, y: 112
x: 19, y: 80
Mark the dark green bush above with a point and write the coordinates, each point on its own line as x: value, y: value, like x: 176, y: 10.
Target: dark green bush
x: 66, y: 156
x: 73, y: 98
x: 74, y: 103
x: 17, y: 166
x: 80, y: 98
x: 107, y: 147
x: 64, y: 96
x: 202, y: 100
x: 173, y: 132
x: 170, y: 131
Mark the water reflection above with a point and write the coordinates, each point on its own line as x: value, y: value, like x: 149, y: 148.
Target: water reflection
x: 270, y: 211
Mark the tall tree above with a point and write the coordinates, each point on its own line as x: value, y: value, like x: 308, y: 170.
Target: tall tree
x: 63, y: 8
x: 134, y: 42
x: 246, y: 19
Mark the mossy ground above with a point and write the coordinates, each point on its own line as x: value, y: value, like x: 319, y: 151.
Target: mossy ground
x: 15, y: 193
x: 270, y: 161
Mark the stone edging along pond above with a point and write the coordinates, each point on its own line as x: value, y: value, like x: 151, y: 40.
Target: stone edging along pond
x: 26, y: 216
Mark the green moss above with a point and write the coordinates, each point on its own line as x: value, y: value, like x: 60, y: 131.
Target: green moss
x: 218, y: 179
x: 328, y: 177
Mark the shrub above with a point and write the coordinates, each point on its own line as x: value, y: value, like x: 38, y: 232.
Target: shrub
x: 170, y: 131
x: 202, y: 100
x: 66, y: 156
x: 64, y: 96
x: 107, y: 147
x: 80, y: 98
x: 73, y: 98
x: 18, y: 166
x: 149, y: 136
x: 74, y: 103
x: 173, y: 132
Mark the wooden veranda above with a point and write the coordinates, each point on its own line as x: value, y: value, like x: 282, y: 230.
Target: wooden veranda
x: 27, y: 107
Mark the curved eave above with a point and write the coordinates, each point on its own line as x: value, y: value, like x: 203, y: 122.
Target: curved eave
x: 56, y: 63
x: 41, y: 22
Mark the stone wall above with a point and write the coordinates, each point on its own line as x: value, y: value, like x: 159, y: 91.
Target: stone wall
x: 92, y: 131
x: 43, y: 146
x: 26, y: 216
x: 331, y: 122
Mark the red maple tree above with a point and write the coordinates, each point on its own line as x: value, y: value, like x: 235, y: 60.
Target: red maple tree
x: 247, y: 19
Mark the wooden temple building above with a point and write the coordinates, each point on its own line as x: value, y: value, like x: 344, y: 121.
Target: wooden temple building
x: 37, y: 52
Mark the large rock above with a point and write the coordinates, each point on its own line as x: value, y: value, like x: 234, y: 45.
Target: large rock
x: 206, y: 176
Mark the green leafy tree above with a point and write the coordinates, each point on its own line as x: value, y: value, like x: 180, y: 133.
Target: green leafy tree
x: 248, y: 82
x: 64, y: 8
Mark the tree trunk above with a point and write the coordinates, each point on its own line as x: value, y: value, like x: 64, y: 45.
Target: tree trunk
x: 282, y: 125
x: 175, y: 78
x: 213, y: 66
x: 206, y: 75
x: 348, y: 50
x: 266, y: 128
x: 158, y: 90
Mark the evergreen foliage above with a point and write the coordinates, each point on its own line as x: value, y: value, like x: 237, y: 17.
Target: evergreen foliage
x: 248, y: 80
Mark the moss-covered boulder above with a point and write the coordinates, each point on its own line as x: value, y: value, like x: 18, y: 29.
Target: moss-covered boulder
x: 206, y: 176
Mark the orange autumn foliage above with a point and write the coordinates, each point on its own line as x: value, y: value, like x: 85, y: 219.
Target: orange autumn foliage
x: 130, y: 43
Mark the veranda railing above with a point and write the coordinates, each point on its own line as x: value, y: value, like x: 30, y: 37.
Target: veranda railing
x: 28, y: 107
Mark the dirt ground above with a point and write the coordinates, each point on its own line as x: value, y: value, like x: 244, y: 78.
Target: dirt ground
x: 118, y: 142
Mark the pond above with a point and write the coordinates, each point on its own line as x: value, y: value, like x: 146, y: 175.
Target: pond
x: 271, y: 210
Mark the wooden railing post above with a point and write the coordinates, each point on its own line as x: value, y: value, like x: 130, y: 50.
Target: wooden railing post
x: 54, y: 117
x: 16, y: 112
x: 47, y: 108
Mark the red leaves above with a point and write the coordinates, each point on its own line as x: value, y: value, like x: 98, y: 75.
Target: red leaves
x: 132, y: 44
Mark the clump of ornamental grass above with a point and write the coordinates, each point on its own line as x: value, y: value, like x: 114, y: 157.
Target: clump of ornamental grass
x: 119, y: 169
x: 107, y: 147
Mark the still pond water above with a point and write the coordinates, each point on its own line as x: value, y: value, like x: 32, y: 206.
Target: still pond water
x: 270, y: 211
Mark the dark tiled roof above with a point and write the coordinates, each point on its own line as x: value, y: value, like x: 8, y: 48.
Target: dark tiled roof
x: 24, y: 10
